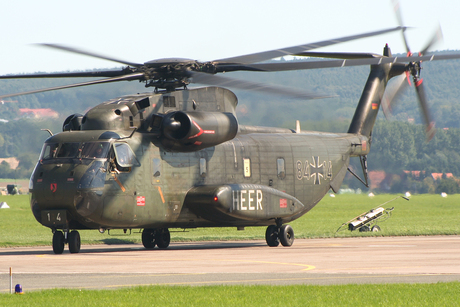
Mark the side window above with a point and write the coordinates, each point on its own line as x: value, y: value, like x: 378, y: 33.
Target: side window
x: 203, y: 169
x: 280, y: 168
x: 125, y: 156
x: 49, y: 151
x: 156, y: 167
x: 246, y: 167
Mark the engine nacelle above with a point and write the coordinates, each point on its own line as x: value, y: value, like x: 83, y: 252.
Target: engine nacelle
x: 72, y: 122
x: 191, y: 131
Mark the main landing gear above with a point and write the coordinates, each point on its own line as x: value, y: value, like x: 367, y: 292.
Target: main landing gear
x: 158, y: 236
x: 276, y: 234
x: 60, y: 239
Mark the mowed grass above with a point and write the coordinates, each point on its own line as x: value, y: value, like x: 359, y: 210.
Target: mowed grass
x: 422, y: 215
x: 440, y: 294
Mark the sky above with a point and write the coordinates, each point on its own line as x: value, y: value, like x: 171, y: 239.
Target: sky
x: 141, y: 30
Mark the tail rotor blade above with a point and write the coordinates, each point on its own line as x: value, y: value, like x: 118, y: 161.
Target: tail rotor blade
x: 414, y: 69
x: 429, y: 123
x: 397, y: 9
x: 390, y: 97
x: 437, y: 37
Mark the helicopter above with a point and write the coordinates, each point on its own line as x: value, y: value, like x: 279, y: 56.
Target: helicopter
x: 178, y: 158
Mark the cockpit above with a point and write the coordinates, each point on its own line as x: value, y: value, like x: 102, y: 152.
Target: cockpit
x: 86, y: 150
x: 120, y: 155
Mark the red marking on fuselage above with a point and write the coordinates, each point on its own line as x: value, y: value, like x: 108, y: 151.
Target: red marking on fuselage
x: 201, y: 131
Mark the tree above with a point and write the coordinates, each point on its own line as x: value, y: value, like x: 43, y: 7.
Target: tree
x: 449, y: 186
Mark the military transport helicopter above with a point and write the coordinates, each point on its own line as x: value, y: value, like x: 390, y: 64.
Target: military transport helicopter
x: 177, y: 157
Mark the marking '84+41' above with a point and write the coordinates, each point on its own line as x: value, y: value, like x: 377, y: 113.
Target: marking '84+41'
x: 315, y: 169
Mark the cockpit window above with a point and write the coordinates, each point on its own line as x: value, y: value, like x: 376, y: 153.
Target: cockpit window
x: 49, y: 151
x: 65, y: 152
x: 94, y: 150
x: 68, y: 150
x: 125, y: 156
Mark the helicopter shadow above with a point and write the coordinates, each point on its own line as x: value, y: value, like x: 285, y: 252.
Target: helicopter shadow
x: 118, y: 245
x: 174, y: 246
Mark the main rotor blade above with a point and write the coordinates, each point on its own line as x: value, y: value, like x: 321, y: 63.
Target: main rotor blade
x: 293, y: 93
x: 136, y: 76
x: 285, y: 66
x: 86, y: 74
x: 87, y: 53
x: 267, y: 55
x: 339, y: 55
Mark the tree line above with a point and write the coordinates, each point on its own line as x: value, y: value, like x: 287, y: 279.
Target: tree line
x: 397, y: 145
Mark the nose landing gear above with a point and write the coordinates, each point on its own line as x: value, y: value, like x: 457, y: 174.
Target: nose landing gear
x: 60, y: 239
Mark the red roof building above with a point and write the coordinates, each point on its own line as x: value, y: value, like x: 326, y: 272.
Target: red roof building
x: 39, y: 113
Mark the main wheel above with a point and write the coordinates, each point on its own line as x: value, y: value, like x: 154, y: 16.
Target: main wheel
x: 58, y: 242
x: 74, y: 242
x: 376, y: 228
x: 286, y: 235
x: 271, y: 236
x: 364, y: 228
x: 163, y: 237
x: 148, y: 238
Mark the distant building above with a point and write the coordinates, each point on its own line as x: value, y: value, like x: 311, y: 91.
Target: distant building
x: 437, y: 176
x: 376, y: 178
x: 415, y: 174
x: 38, y: 113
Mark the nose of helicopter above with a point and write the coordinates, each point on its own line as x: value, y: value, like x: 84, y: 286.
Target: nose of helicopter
x: 74, y: 188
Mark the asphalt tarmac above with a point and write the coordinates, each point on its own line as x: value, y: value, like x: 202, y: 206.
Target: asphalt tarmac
x: 366, y: 260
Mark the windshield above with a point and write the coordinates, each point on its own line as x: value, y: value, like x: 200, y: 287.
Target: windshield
x: 68, y: 150
x: 94, y: 150
x: 88, y: 150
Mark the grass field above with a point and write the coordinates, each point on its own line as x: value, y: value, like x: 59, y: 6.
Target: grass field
x: 440, y: 294
x: 422, y: 215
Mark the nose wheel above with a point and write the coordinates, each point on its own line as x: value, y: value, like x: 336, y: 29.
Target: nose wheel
x: 74, y: 242
x: 276, y: 235
x: 59, y: 241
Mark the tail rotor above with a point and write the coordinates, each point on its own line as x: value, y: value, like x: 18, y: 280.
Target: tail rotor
x: 413, y: 69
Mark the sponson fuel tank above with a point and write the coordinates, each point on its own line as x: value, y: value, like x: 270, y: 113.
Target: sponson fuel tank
x: 227, y: 203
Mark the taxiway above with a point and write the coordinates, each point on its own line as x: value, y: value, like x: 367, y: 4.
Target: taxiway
x: 308, y: 261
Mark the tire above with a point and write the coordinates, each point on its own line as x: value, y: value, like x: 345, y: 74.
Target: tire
x: 58, y: 242
x: 74, y: 242
x: 271, y: 236
x: 148, y: 238
x: 364, y: 229
x: 163, y: 237
x: 286, y: 235
x: 376, y: 228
